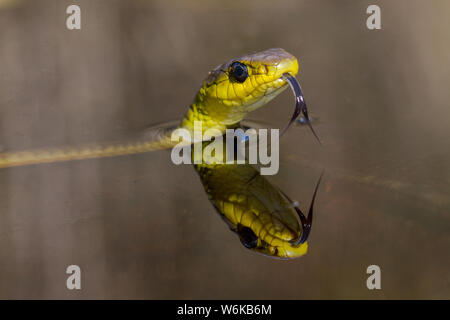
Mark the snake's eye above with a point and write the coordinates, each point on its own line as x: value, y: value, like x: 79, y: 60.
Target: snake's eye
x: 247, y: 237
x: 238, y: 71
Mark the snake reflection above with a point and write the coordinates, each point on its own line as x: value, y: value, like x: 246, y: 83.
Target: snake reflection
x: 263, y: 217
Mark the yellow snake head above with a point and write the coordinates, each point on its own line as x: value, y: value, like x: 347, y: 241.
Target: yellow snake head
x: 240, y: 86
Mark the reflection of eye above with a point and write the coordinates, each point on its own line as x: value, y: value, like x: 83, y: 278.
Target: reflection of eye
x: 238, y: 71
x: 247, y: 237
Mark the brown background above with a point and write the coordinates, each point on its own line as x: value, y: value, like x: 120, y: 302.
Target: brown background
x: 141, y: 227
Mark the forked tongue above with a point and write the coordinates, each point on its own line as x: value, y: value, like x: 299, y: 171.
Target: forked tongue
x: 300, y: 105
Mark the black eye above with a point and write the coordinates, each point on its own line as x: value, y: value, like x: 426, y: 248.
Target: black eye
x: 238, y: 71
x: 247, y: 237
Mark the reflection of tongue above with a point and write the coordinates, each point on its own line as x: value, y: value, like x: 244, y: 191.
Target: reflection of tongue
x: 300, y: 105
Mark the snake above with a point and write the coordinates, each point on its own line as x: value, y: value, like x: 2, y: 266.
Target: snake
x: 227, y: 95
x: 261, y: 214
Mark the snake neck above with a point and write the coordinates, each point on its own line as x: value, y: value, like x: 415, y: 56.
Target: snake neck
x: 211, y: 118
x: 198, y: 112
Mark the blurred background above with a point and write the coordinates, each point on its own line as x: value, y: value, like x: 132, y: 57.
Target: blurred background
x: 140, y: 227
